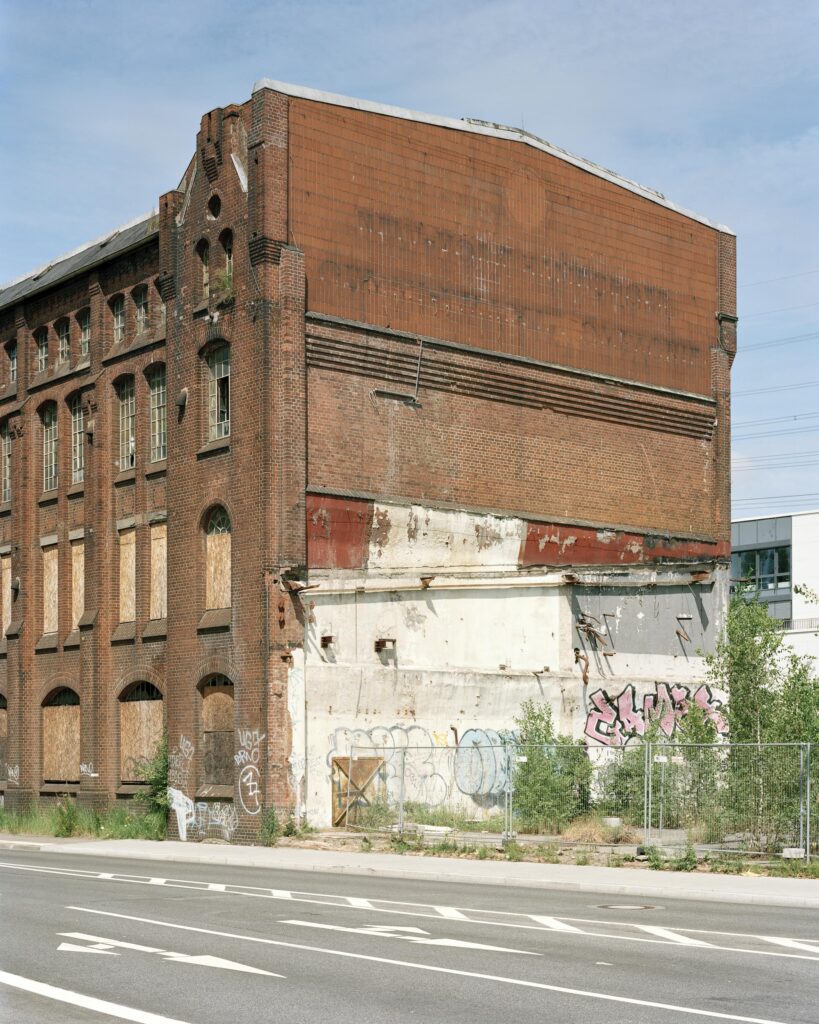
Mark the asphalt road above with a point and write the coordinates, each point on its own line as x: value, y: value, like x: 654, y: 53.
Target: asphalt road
x: 92, y: 939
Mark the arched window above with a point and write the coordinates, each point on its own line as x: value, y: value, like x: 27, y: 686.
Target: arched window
x: 61, y: 736
x: 141, y: 725
x: 127, y: 423
x: 11, y: 352
x: 226, y: 239
x: 5, y: 463
x: 159, y: 413
x: 217, y: 558
x: 50, y: 439
x: 218, y: 360
x: 203, y: 251
x: 140, y: 297
x: 41, y: 341
x: 118, y: 318
x: 77, y: 440
x: 217, y: 731
x: 63, y: 341
x: 84, y: 324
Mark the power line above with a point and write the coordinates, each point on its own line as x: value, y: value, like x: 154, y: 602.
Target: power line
x: 771, y: 280
x: 782, y: 309
x: 776, y: 342
x: 778, y: 387
x: 781, y: 455
x: 779, y: 419
x: 774, y: 433
x: 774, y: 466
x: 777, y: 497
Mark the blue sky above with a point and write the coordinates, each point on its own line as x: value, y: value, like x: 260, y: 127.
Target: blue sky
x: 714, y: 103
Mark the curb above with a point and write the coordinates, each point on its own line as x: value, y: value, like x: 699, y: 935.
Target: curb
x: 406, y: 872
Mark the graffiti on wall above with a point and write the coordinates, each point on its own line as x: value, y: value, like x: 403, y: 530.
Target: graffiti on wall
x: 427, y: 763
x: 87, y: 770
x: 614, y: 720
x: 247, y: 759
x: 13, y: 774
x: 204, y: 819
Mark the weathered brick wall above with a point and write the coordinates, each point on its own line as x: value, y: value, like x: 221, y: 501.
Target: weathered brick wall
x: 493, y: 244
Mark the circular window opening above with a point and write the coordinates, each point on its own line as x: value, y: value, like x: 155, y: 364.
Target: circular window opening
x: 214, y: 206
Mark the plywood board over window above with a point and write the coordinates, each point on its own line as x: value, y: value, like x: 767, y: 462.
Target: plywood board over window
x: 159, y: 571
x: 127, y: 574
x: 217, y: 728
x: 61, y: 738
x: 5, y: 590
x: 141, y: 725
x: 4, y: 732
x: 77, y: 582
x: 218, y: 570
x: 50, y: 589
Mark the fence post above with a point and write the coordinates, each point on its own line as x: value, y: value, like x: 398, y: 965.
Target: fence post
x: 347, y: 801
x: 807, y: 815
x: 802, y: 788
x: 649, y: 795
x: 401, y: 791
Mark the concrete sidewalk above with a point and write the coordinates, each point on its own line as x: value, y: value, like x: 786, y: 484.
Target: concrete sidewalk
x: 627, y: 882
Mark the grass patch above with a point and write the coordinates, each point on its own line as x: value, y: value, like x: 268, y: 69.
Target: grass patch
x: 514, y: 851
x: 591, y: 829
x: 66, y: 819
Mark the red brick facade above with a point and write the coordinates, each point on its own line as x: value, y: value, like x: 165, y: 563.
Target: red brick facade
x: 562, y: 342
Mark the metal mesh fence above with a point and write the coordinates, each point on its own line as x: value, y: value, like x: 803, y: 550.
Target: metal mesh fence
x: 746, y: 798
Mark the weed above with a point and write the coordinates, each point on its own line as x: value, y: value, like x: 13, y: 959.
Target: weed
x: 483, y: 853
x: 66, y: 819
x: 656, y: 860
x: 581, y: 858
x: 686, y: 861
x: 513, y: 851
x: 270, y: 829
x: 548, y: 853
x: 366, y: 844
x: 615, y: 860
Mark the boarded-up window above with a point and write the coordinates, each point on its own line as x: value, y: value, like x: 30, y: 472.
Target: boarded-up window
x: 4, y: 732
x: 127, y: 571
x: 217, y: 729
x: 5, y: 590
x: 140, y: 728
x: 61, y: 737
x: 217, y: 542
x: 159, y: 571
x: 50, y: 589
x: 77, y: 582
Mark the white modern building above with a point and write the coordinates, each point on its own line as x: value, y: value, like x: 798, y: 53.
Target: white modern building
x: 779, y: 556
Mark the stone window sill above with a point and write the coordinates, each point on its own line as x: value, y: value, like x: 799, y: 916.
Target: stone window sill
x: 124, y: 633
x: 214, y: 619
x: 156, y: 629
x: 72, y: 640
x: 48, y: 498
x: 87, y: 619
x: 209, y: 792
x: 157, y: 468
x: 76, y: 490
x: 47, y: 642
x: 60, y: 787
x: 5, y: 508
x: 125, y: 476
x: 221, y: 444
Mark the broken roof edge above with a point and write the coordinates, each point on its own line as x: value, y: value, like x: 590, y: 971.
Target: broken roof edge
x: 498, y: 131
x: 33, y: 275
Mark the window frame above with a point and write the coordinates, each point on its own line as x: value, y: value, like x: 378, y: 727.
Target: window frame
x: 158, y: 412
x: 41, y: 341
x: 5, y: 463
x: 118, y: 319
x: 142, y: 309
x: 217, y: 361
x: 126, y: 422
x: 63, y: 341
x: 49, y: 423
x: 84, y: 325
x: 11, y: 354
x: 77, y: 439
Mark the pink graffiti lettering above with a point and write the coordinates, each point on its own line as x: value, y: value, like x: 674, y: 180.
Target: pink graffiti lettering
x: 613, y: 720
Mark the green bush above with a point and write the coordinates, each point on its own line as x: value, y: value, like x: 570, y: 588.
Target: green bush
x: 270, y: 829
x: 552, y: 785
x: 154, y: 771
x: 67, y: 819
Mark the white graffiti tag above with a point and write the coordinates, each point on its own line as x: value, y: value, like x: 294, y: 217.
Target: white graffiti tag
x: 247, y: 757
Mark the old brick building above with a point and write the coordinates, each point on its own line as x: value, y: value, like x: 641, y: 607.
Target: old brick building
x: 376, y: 422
